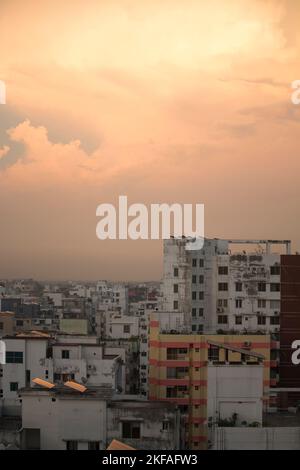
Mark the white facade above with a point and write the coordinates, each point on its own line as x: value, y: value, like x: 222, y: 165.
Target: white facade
x: 26, y: 359
x: 75, y: 358
x: 63, y: 419
x: 222, y: 290
x: 235, y: 389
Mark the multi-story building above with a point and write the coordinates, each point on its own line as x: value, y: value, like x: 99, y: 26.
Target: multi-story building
x: 26, y: 358
x: 84, y: 359
x: 219, y: 289
x: 210, y: 377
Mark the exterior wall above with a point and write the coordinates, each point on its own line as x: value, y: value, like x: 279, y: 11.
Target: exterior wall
x: 75, y: 326
x: 176, y: 257
x: 243, y: 438
x: 235, y: 389
x: 159, y: 424
x: 34, y: 361
x: 64, y: 419
x: 88, y: 363
x: 7, y: 324
x: 117, y: 324
x: 193, y: 360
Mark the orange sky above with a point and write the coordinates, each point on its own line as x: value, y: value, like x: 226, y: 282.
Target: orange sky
x: 165, y: 101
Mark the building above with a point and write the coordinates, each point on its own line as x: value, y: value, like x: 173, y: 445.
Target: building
x: 65, y: 418
x: 84, y: 359
x: 26, y: 358
x: 184, y: 369
x: 7, y: 324
x: 224, y: 290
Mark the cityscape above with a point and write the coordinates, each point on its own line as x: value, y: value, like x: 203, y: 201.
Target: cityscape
x: 201, y: 360
x: 150, y: 230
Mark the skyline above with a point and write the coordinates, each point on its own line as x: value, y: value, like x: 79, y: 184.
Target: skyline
x: 175, y: 103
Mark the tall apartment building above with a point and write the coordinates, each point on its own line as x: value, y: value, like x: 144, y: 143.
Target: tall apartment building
x: 221, y: 290
x: 210, y: 377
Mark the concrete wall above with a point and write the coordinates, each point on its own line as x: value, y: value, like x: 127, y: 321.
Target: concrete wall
x: 61, y: 420
x: 281, y: 438
x: 235, y: 389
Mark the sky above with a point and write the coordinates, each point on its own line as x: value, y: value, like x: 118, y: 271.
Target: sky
x: 181, y: 101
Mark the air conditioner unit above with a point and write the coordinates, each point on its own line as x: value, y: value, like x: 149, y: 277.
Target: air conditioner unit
x: 276, y: 313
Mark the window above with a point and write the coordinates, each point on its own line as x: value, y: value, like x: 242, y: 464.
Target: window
x: 238, y: 303
x: 72, y: 445
x: 223, y: 286
x: 201, y: 295
x: 275, y: 270
x: 14, y: 357
x: 201, y: 279
x: 131, y: 430
x: 65, y: 354
x: 213, y: 353
x: 194, y: 262
x: 177, y: 372
x: 275, y: 287
x: 165, y: 425
x: 201, y: 311
x: 201, y: 262
x: 175, y: 289
x: 175, y: 304
x: 194, y: 279
x: 194, y: 295
x: 261, y: 320
x: 239, y: 320
x: 194, y: 311
x: 223, y: 303
x: 274, y: 320
x: 222, y: 319
x: 126, y: 328
x: 261, y: 287
x: 175, y: 272
x: 13, y: 386
x: 93, y: 445
x: 19, y: 322
x: 238, y: 286
x: 174, y: 353
x: 261, y: 303
x: 1, y: 326
x: 223, y: 270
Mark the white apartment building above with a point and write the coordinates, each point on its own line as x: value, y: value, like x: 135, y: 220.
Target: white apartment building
x: 84, y: 360
x: 219, y: 289
x: 26, y: 358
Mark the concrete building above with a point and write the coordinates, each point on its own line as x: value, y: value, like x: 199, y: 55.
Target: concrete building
x: 84, y: 360
x: 26, y: 358
x: 121, y: 326
x: 219, y: 289
x: 191, y: 370
x: 64, y: 418
x: 7, y: 324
